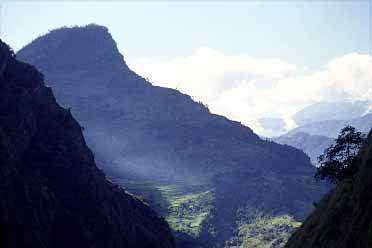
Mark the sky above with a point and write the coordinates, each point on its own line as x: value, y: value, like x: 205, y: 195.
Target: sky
x: 246, y: 59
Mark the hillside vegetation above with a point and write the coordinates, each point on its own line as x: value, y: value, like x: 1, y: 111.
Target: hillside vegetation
x: 343, y: 218
x: 52, y: 193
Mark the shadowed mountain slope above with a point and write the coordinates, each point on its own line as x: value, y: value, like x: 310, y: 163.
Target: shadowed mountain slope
x: 52, y: 193
x: 343, y: 218
x: 153, y: 132
x: 144, y: 128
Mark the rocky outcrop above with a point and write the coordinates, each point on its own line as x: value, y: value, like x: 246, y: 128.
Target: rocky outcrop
x: 52, y: 193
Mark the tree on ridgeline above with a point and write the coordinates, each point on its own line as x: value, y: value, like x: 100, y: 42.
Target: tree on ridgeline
x: 340, y: 160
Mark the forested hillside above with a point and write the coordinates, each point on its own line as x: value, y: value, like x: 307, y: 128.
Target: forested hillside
x: 52, y: 193
x: 343, y: 218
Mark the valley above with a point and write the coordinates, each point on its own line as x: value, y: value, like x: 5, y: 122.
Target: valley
x: 185, y: 125
x: 213, y: 179
x: 186, y: 207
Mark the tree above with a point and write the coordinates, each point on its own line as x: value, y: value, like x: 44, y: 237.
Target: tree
x: 340, y: 160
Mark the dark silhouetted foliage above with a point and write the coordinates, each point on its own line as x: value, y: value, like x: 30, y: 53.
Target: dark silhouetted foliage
x: 339, y: 160
x: 343, y: 217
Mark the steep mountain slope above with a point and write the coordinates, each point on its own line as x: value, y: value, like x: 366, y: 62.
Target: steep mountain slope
x: 324, y: 111
x: 312, y: 145
x: 52, y: 194
x: 331, y: 128
x: 343, y: 218
x: 158, y: 133
x: 154, y: 129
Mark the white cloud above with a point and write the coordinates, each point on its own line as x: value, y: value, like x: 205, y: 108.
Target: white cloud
x: 244, y: 88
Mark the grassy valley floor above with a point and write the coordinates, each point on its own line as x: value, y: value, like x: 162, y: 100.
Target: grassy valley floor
x: 186, y: 206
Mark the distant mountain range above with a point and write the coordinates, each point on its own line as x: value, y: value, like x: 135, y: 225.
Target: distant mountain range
x: 312, y: 145
x: 331, y: 128
x: 315, y: 136
x: 318, y: 113
x: 52, y: 193
x: 329, y: 114
x: 325, y: 111
x: 320, y: 125
x: 141, y: 131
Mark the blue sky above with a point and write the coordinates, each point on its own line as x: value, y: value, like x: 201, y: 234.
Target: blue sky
x: 297, y: 31
x: 247, y: 59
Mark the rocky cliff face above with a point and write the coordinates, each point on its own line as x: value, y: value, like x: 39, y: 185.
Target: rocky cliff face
x: 343, y: 218
x: 52, y: 194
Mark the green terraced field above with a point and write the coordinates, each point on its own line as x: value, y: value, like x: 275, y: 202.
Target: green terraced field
x: 264, y: 232
x: 184, y: 206
x: 187, y: 210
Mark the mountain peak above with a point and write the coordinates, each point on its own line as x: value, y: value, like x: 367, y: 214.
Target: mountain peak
x: 84, y: 47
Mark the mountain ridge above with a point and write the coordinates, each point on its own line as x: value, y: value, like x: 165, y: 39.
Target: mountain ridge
x: 331, y: 128
x: 168, y: 104
x: 52, y: 193
x: 332, y: 110
x: 135, y: 128
x: 312, y: 145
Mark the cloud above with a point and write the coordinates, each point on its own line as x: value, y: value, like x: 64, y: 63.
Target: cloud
x: 246, y: 89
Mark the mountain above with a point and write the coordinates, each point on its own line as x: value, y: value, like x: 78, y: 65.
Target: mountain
x: 324, y: 111
x: 331, y: 128
x: 312, y: 145
x: 343, y: 218
x: 322, y: 126
x: 157, y: 142
x: 52, y: 193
